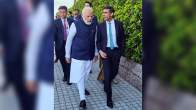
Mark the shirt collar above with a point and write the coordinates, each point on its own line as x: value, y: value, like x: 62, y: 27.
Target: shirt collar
x: 64, y: 19
x: 112, y: 21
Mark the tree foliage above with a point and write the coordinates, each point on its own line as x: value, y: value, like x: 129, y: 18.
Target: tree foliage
x: 177, y: 24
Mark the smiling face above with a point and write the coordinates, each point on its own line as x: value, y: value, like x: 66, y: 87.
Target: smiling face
x: 62, y: 13
x: 107, y: 14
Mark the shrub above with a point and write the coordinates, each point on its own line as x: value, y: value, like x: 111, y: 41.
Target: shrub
x: 177, y: 23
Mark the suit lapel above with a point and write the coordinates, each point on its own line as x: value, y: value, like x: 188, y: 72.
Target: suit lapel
x: 116, y: 28
x: 61, y: 23
x: 69, y: 21
x: 105, y: 30
x: 60, y: 26
x: 105, y: 34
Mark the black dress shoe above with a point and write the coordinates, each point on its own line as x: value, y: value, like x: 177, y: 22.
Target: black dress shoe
x: 83, y: 104
x: 110, y: 103
x: 56, y: 60
x: 104, y: 90
x: 87, y: 92
x: 64, y: 79
x: 69, y: 83
x: 5, y: 86
x: 91, y: 71
x: 103, y: 81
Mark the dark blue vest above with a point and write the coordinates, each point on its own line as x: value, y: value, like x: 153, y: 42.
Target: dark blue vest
x: 83, y: 44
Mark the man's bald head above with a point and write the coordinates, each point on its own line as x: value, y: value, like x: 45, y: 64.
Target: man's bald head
x: 87, y: 15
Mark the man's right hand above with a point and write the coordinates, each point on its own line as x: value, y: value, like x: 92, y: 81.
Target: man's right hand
x: 31, y: 86
x: 56, y: 60
x: 102, y: 54
x: 1, y: 50
x: 68, y: 60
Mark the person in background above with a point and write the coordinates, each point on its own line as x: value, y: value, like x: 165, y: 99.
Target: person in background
x: 61, y: 32
x: 76, y: 15
x: 57, y: 15
x: 70, y: 15
x: 100, y: 76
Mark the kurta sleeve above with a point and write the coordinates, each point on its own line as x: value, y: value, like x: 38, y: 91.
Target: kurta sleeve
x: 72, y: 33
x: 96, y: 50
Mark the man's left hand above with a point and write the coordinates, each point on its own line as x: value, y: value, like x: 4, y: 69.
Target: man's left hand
x: 95, y: 59
x: 68, y: 60
x: 31, y: 86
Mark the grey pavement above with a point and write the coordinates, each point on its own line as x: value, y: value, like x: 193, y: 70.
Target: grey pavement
x: 125, y: 96
x: 8, y: 99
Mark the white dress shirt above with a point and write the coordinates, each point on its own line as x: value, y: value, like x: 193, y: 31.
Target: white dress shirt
x: 113, y: 33
x: 72, y: 33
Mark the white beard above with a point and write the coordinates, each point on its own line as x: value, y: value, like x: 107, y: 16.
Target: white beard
x: 86, y: 22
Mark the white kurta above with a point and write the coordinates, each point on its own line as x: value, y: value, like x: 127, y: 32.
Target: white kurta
x: 45, y: 99
x: 79, y: 68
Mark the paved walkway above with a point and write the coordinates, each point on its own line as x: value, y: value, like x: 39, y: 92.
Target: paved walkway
x: 125, y: 96
x: 8, y: 100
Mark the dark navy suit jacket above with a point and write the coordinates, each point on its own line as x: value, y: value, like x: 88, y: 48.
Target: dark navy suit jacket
x: 102, y: 36
x: 59, y: 35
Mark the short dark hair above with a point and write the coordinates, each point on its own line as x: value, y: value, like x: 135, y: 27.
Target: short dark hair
x: 70, y: 12
x: 111, y: 9
x: 88, y: 3
x: 63, y: 8
x: 76, y: 10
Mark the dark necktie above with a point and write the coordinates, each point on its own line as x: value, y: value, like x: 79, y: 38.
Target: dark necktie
x: 23, y: 21
x: 65, y: 30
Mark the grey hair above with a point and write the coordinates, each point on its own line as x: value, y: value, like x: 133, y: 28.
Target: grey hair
x: 87, y: 9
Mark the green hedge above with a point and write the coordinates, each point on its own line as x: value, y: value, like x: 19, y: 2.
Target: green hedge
x: 129, y: 12
x: 177, y: 24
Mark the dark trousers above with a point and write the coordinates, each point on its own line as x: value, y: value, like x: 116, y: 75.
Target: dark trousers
x: 60, y: 54
x: 66, y: 68
x: 26, y: 99
x: 110, y: 66
x: 63, y: 65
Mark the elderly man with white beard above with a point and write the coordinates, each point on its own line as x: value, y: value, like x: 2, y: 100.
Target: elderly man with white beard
x: 81, y: 50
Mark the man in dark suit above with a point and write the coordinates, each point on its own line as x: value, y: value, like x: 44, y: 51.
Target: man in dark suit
x: 61, y: 32
x: 76, y: 15
x: 70, y: 15
x: 110, y: 44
